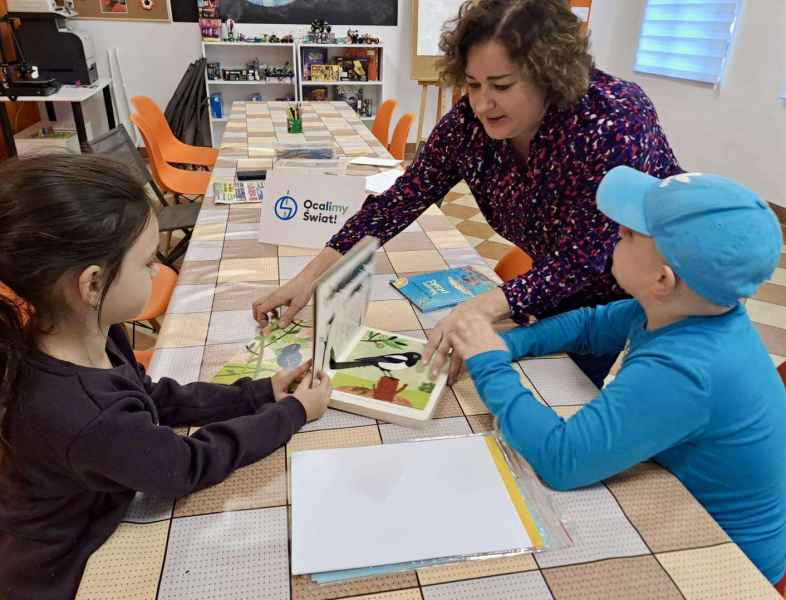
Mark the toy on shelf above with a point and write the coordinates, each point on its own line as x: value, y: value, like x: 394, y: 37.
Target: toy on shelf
x: 321, y: 33
x: 355, y: 37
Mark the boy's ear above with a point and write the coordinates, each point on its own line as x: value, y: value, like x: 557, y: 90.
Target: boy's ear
x: 90, y: 283
x: 666, y: 283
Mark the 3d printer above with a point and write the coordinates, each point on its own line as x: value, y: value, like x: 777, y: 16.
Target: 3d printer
x: 47, y: 42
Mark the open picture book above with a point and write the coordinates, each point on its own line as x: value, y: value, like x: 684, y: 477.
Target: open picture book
x: 375, y: 373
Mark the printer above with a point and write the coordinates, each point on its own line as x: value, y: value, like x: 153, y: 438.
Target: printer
x: 47, y: 42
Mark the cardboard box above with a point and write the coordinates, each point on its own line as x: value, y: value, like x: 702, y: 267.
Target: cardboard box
x: 44, y: 137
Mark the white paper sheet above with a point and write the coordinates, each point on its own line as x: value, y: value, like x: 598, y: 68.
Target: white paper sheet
x: 375, y: 162
x: 381, y: 182
x: 432, y: 15
x: 376, y: 505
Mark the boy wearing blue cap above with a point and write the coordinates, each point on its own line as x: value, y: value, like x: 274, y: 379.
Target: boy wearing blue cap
x: 697, y: 391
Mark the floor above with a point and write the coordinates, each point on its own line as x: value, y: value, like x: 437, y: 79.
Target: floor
x: 767, y: 308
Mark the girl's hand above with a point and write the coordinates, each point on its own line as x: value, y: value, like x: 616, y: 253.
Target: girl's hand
x: 314, y: 398
x: 284, y: 380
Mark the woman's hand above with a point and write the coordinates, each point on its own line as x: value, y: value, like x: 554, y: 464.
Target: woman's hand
x: 295, y: 294
x: 284, y: 380
x: 474, y: 336
x: 489, y: 307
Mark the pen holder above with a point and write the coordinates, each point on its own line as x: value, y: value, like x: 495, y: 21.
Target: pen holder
x: 294, y: 125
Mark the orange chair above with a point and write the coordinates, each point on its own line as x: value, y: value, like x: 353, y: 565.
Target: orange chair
x: 23, y: 308
x: 143, y: 357
x: 515, y: 263
x: 381, y: 126
x: 172, y: 149
x: 398, y: 145
x: 161, y: 293
x: 171, y: 179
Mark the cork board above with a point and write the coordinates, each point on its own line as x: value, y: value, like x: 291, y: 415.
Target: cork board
x: 123, y: 10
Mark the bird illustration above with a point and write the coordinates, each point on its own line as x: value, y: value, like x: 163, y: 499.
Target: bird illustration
x: 289, y: 357
x: 385, y: 363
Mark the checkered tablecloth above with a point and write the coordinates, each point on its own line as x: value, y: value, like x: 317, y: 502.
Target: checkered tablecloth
x: 639, y: 535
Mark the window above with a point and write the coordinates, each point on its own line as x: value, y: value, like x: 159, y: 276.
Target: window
x: 688, y: 39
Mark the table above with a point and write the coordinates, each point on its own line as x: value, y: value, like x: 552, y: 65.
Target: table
x: 75, y: 95
x: 641, y: 535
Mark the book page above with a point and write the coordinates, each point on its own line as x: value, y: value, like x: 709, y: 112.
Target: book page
x: 340, y: 301
x: 384, y: 366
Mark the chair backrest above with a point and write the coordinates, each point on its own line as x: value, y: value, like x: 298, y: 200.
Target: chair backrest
x: 398, y: 144
x: 155, y: 119
x: 381, y: 126
x: 22, y: 306
x: 514, y: 264
x: 117, y: 144
x: 157, y: 162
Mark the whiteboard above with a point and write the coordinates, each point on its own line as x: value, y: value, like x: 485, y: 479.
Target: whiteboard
x: 432, y: 15
x: 394, y: 503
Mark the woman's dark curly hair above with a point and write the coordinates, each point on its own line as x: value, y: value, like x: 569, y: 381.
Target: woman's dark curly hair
x: 543, y: 37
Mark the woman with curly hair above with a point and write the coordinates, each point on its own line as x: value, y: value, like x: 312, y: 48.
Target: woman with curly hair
x: 534, y: 135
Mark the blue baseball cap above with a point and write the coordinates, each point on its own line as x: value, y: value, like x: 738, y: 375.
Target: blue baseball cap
x: 717, y: 235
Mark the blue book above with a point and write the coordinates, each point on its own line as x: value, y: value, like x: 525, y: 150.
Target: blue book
x: 442, y: 289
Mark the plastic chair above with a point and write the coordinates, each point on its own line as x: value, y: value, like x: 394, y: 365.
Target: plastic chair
x: 22, y: 306
x: 398, y: 145
x: 118, y: 145
x: 172, y: 149
x: 514, y: 264
x: 143, y: 357
x: 381, y: 126
x: 171, y: 179
x: 161, y: 293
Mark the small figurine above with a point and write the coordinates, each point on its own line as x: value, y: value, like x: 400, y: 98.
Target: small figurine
x: 230, y: 30
x: 273, y: 39
x: 287, y: 39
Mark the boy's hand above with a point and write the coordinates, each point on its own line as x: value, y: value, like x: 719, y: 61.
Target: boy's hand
x: 283, y: 381
x: 474, y: 336
x: 314, y: 398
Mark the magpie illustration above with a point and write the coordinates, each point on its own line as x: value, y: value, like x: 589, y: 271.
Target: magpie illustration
x: 385, y: 363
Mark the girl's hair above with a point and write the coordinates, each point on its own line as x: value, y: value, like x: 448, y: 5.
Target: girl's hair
x: 543, y: 37
x: 59, y: 214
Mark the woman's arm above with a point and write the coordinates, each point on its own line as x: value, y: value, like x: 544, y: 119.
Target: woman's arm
x: 426, y: 181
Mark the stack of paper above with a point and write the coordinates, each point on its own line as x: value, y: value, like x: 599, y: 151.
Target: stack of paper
x: 362, y: 511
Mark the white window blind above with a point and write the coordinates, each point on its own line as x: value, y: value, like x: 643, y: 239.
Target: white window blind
x: 688, y: 39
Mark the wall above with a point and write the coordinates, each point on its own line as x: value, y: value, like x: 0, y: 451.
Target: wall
x: 738, y: 130
x: 155, y: 55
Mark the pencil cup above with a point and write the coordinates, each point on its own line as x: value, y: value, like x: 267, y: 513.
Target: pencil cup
x: 294, y: 125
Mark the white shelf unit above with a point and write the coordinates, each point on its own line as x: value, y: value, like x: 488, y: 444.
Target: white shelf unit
x: 371, y: 89
x: 238, y: 55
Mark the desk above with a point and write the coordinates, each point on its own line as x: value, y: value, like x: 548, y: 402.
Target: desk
x: 641, y: 535
x: 75, y: 95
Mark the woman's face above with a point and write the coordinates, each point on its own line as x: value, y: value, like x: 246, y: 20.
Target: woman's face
x: 508, y: 105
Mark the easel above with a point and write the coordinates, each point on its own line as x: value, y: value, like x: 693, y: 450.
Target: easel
x: 424, y: 88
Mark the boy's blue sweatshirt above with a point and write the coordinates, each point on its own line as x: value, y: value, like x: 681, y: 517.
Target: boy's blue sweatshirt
x: 700, y: 397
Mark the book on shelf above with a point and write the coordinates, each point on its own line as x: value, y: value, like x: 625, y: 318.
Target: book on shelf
x: 311, y: 57
x: 372, y: 54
